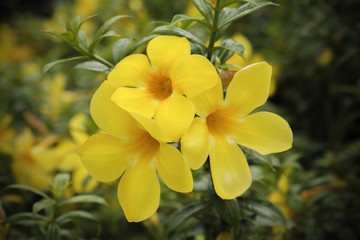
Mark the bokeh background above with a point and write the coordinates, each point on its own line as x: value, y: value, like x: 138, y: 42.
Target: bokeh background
x: 314, y: 48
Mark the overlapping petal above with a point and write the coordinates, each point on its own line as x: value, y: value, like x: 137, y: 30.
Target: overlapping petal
x: 139, y: 192
x: 175, y: 115
x: 152, y: 127
x: 209, y: 101
x: 134, y: 100
x: 107, y: 115
x: 132, y: 71
x: 173, y: 169
x: 264, y: 132
x: 104, y: 157
x: 249, y: 88
x: 195, y: 144
x: 193, y: 75
x: 229, y: 169
x: 165, y: 51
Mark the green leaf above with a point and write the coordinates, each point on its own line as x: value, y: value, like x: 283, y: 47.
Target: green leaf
x: 25, y: 216
x: 82, y: 39
x: 42, y: 204
x: 28, y: 188
x: 84, y: 199
x: 178, y: 217
x: 68, y: 37
x: 93, y: 66
x: 52, y: 64
x: 75, y: 214
x: 205, y: 8
x: 75, y: 24
x: 121, y: 49
x: 178, y: 18
x: 168, y: 30
x: 96, y: 41
x: 60, y: 183
x: 142, y: 41
x: 229, y: 2
x: 53, y: 232
x: 227, y: 48
x: 107, y: 24
x: 228, y: 210
x: 267, y: 213
x: 259, y: 159
x: 229, y: 15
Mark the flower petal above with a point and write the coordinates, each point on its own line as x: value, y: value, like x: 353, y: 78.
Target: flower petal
x: 195, y: 144
x: 175, y: 114
x: 193, y: 75
x: 264, y: 132
x: 152, y: 127
x: 209, y: 101
x: 229, y: 169
x: 250, y: 87
x: 82, y: 182
x: 165, y: 51
x: 139, y: 192
x: 132, y: 71
x: 107, y: 115
x: 104, y: 157
x: 134, y: 100
x: 173, y: 169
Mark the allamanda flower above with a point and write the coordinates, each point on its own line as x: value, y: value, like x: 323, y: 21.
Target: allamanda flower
x: 161, y: 84
x: 223, y: 124
x: 136, y: 147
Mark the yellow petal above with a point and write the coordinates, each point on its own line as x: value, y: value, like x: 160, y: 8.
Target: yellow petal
x: 193, y: 75
x: 165, y: 51
x: 175, y: 115
x: 152, y: 127
x: 134, y: 100
x: 209, y: 101
x: 107, y: 115
x: 132, y: 71
x: 104, y: 157
x: 139, y: 192
x: 173, y: 169
x: 264, y: 132
x: 195, y: 144
x: 229, y: 169
x: 249, y: 88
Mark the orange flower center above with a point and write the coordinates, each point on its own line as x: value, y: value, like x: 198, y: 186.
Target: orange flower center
x: 160, y: 86
x: 144, y: 146
x: 222, y: 122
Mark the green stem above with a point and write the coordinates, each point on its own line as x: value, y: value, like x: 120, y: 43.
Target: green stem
x: 213, y: 30
x: 94, y: 56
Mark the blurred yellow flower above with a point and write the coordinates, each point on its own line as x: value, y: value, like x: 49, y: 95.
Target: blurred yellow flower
x: 325, y: 57
x: 134, y: 149
x: 85, y: 8
x: 222, y: 124
x: 250, y: 59
x: 33, y: 162
x: 161, y: 85
x: 10, y: 50
x: 70, y: 161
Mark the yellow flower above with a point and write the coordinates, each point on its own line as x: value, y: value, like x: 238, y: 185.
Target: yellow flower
x: 33, y: 163
x: 6, y: 134
x: 134, y: 149
x: 222, y: 124
x: 155, y: 86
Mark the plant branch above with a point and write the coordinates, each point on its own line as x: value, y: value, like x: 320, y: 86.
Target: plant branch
x: 213, y: 30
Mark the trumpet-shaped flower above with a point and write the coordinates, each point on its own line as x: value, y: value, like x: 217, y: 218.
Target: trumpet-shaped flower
x: 134, y: 147
x: 161, y: 84
x: 223, y: 124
